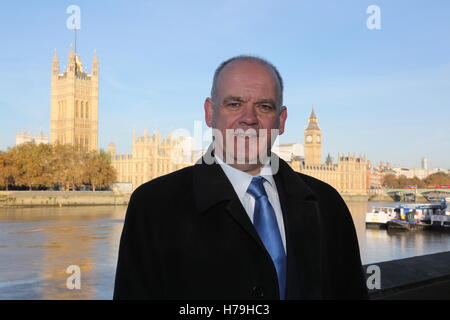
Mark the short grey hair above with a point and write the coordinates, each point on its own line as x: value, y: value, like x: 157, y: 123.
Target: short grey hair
x: 259, y: 60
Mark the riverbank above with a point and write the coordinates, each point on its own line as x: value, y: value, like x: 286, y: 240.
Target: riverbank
x: 62, y: 198
x: 92, y: 198
x: 387, y: 198
x: 355, y: 198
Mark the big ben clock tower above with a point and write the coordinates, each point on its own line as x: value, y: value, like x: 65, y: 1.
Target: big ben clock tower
x: 313, y: 141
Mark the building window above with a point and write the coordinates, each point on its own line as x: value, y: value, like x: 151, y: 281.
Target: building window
x: 87, y: 110
x: 82, y: 109
x: 76, y: 109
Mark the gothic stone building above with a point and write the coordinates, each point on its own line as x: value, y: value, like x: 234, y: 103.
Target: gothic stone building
x: 348, y: 175
x: 74, y: 104
x: 152, y: 156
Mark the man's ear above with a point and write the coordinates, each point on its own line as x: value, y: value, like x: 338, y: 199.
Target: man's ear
x: 282, y: 120
x: 209, y: 112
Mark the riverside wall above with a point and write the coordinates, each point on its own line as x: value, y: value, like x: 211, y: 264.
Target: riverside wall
x: 417, y: 278
x: 62, y: 198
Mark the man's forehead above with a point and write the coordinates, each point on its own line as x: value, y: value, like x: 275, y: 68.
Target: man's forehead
x: 241, y: 79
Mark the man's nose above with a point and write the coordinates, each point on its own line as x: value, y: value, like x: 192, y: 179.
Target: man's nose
x: 249, y: 115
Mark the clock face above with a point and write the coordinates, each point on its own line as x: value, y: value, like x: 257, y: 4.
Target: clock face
x: 318, y: 139
x: 309, y: 138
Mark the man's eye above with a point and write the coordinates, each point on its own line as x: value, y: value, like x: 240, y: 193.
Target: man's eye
x: 266, y: 107
x: 234, y: 105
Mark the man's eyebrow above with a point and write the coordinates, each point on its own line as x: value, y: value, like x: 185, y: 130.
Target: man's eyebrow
x: 240, y: 99
x: 271, y: 101
x: 233, y: 98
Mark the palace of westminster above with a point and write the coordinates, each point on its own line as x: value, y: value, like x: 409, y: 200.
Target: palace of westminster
x: 74, y: 120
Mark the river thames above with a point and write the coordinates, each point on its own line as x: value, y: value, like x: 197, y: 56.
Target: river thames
x: 37, y: 245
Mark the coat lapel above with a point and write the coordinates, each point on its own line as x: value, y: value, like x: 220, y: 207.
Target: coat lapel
x: 303, y: 237
x: 211, y: 186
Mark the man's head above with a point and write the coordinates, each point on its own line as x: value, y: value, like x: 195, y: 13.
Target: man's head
x: 246, y: 99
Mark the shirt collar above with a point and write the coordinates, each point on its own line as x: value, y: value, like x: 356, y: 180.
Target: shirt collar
x: 241, y: 180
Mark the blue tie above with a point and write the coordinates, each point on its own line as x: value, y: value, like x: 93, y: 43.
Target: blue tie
x: 266, y: 225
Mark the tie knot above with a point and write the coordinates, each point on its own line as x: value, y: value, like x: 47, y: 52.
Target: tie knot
x: 256, y: 187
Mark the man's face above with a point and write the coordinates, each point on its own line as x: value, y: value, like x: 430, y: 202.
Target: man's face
x: 246, y: 102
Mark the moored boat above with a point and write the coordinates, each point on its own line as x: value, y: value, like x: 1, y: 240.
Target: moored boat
x: 425, y: 216
x: 380, y: 216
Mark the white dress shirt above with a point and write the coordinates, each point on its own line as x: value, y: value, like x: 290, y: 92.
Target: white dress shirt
x: 241, y: 181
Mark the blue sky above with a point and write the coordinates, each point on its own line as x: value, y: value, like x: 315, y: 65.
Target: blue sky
x: 385, y: 93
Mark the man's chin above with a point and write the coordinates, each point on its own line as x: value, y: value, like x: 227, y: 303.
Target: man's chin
x: 249, y: 158
x: 247, y: 167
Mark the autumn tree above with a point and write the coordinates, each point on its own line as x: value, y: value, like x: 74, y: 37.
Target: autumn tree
x: 390, y: 181
x: 8, y: 170
x: 64, y: 166
x: 97, y: 170
x: 27, y: 161
x: 67, y: 166
x: 438, y: 178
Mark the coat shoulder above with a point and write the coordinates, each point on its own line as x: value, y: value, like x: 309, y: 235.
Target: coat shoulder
x: 177, y: 182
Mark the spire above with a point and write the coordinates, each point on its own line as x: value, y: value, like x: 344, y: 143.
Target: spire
x: 112, y: 148
x: 313, y: 114
x: 329, y: 160
x: 313, y: 124
x: 78, y: 63
x: 55, y: 65
x: 71, y: 61
x: 95, y: 64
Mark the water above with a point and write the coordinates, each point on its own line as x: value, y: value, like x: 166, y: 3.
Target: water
x: 37, y: 245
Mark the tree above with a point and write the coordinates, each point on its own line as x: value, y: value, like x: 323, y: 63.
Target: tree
x: 98, y: 171
x: 68, y: 166
x: 440, y: 178
x: 27, y: 162
x: 8, y: 170
x: 390, y: 181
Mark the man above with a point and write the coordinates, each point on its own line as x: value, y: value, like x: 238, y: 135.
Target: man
x: 239, y: 224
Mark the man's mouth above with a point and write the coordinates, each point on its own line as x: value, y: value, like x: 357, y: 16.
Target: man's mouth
x: 242, y: 134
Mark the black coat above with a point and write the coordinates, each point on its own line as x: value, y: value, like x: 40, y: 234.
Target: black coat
x: 187, y: 236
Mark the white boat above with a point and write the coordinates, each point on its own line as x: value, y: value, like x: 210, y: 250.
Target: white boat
x: 379, y: 216
x: 419, y: 213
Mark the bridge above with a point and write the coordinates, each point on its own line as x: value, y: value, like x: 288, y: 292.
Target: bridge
x: 413, y: 194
